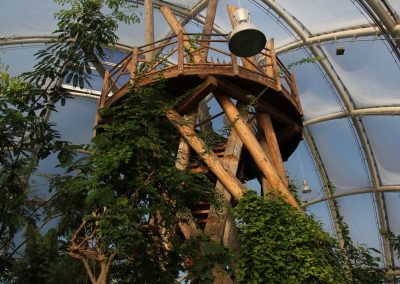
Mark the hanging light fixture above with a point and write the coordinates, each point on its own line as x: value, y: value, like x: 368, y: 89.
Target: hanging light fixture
x: 306, y: 187
x: 246, y: 39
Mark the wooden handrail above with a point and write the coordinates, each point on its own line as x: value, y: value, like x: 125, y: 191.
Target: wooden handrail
x: 271, y: 70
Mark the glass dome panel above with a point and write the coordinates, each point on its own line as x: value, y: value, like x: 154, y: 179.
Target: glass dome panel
x: 300, y: 166
x: 316, y: 94
x: 358, y: 212
x: 35, y: 18
x: 324, y: 15
x: 75, y: 121
x: 19, y: 58
x: 322, y: 213
x: 396, y: 6
x: 384, y: 135
x: 341, y: 154
x: 368, y: 70
x: 188, y: 4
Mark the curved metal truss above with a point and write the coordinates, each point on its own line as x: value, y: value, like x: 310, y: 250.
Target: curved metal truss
x: 386, y: 23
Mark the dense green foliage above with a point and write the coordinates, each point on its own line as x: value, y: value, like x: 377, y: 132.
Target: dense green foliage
x: 281, y: 245
x: 131, y: 181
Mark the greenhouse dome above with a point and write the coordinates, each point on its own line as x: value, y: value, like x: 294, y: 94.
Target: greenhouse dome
x: 345, y: 58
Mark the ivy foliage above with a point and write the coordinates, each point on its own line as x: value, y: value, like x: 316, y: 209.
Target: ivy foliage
x: 140, y: 197
x: 281, y: 245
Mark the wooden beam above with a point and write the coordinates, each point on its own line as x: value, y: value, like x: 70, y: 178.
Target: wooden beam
x: 253, y: 146
x: 265, y: 123
x: 208, y: 25
x: 182, y: 158
x: 232, y: 184
x: 231, y: 11
x: 149, y: 29
x: 176, y: 27
x: 241, y: 94
x: 190, y: 101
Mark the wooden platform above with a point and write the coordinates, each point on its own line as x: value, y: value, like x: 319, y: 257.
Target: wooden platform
x: 263, y: 76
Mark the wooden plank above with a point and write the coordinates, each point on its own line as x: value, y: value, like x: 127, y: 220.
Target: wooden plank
x: 232, y: 184
x: 265, y: 123
x: 253, y: 146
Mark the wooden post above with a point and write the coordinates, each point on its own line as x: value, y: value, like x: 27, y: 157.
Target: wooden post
x: 295, y: 93
x: 102, y: 100
x: 268, y: 59
x: 182, y: 159
x: 134, y: 64
x: 231, y: 11
x: 232, y: 184
x: 275, y: 66
x: 149, y: 29
x: 208, y: 25
x: 252, y: 145
x: 181, y: 56
x: 265, y: 123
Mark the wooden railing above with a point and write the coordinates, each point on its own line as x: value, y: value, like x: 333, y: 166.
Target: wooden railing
x: 188, y: 54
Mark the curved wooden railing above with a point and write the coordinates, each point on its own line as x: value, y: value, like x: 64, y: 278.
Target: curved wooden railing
x: 188, y: 54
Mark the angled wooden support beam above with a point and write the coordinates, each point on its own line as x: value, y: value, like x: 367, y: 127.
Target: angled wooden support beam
x: 265, y: 123
x: 176, y: 27
x: 232, y: 184
x: 242, y: 95
x: 189, y: 228
x: 193, y: 99
x: 149, y: 29
x: 255, y: 149
x: 245, y: 63
x: 208, y: 25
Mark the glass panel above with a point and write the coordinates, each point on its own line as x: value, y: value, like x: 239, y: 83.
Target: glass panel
x: 396, y: 6
x: 322, y: 213
x: 368, y: 70
x: 384, y: 135
x: 358, y: 212
x: 341, y: 154
x: 392, y: 202
x: 316, y: 94
x: 75, y: 121
x: 19, y: 58
x: 261, y: 16
x: 300, y: 166
x: 27, y: 17
x: 188, y: 4
x: 319, y: 16
x: 134, y: 34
